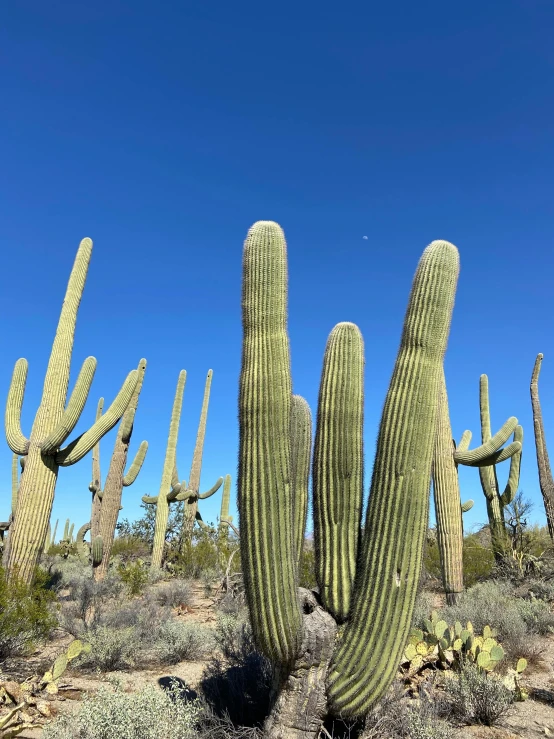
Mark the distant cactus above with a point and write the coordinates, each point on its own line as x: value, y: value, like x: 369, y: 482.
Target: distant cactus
x: 107, y: 501
x: 546, y: 481
x: 192, y: 494
x: 54, y: 422
x: 446, y: 489
x: 289, y: 624
x: 170, y: 485
x: 497, y: 501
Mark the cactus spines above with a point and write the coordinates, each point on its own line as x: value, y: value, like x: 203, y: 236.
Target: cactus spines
x: 162, y: 504
x: 52, y: 425
x: 301, y: 452
x: 546, y: 480
x: 396, y: 522
x: 497, y: 501
x: 264, y: 469
x: 116, y: 478
x: 338, y: 477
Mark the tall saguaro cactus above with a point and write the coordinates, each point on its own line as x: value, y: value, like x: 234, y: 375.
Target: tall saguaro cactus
x: 338, y: 472
x: 497, y: 501
x: 316, y: 675
x: 95, y: 486
x: 117, y: 479
x: 192, y: 494
x: 53, y: 424
x: 446, y: 488
x: 546, y: 481
x: 170, y: 481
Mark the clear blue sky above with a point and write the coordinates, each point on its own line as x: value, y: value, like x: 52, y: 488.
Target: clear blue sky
x: 164, y: 130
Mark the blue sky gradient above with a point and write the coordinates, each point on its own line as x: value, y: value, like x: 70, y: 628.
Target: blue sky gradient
x: 163, y: 131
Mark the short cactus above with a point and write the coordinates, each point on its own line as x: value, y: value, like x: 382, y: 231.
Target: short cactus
x: 54, y: 422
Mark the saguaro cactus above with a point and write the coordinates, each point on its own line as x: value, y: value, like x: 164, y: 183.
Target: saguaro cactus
x: 289, y: 625
x: 117, y: 479
x: 338, y: 472
x: 53, y: 424
x: 170, y: 482
x: 546, y: 481
x: 446, y: 488
x: 497, y: 501
x: 192, y: 494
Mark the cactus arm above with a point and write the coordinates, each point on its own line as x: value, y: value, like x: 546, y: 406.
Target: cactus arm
x: 476, y: 457
x: 225, y: 499
x: 97, y: 550
x: 367, y: 657
x: 465, y: 441
x: 546, y: 481
x: 150, y: 499
x: 264, y: 489
x: 135, y: 467
x: 231, y: 526
x: 215, y: 487
x: 162, y: 508
x: 85, y: 528
x: 84, y: 443
x: 467, y: 506
x: 186, y: 494
x: 72, y: 413
x: 18, y: 443
x: 484, y: 409
x: 301, y: 452
x: 515, y: 466
x: 338, y: 468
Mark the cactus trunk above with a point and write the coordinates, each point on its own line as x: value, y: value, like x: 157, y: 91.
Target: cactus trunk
x: 115, y: 479
x: 170, y: 464
x: 546, y: 481
x: 448, y: 511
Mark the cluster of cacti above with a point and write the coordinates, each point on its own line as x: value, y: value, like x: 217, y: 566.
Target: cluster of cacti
x: 289, y: 624
x: 448, y: 506
x: 54, y: 422
x: 106, y: 500
x: 447, y: 646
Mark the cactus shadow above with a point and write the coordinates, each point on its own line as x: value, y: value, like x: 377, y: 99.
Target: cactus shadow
x: 177, y: 688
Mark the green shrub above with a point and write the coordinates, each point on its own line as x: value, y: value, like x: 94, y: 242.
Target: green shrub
x: 149, y: 712
x: 26, y: 614
x: 177, y: 641
x: 474, y: 696
x: 129, y: 547
x: 134, y: 575
x: 478, y: 560
x: 111, y: 648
